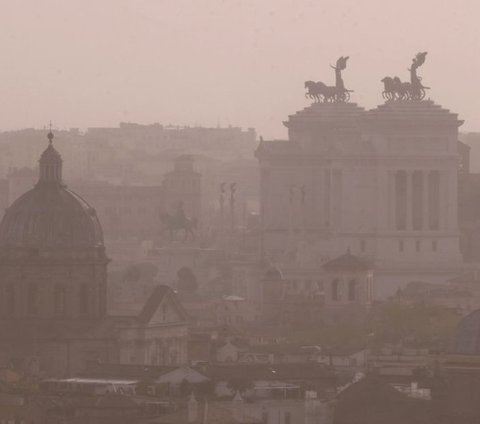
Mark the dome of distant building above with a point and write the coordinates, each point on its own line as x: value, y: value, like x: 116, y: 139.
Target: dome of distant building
x: 466, y: 338
x: 50, y: 217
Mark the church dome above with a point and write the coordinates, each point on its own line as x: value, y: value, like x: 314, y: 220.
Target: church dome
x: 50, y: 218
x: 466, y: 338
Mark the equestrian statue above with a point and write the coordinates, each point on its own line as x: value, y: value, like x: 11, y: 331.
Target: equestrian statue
x: 320, y: 92
x: 395, y: 89
x: 179, y: 221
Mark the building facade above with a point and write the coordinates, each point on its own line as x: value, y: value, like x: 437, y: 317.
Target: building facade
x: 382, y: 183
x: 53, y: 287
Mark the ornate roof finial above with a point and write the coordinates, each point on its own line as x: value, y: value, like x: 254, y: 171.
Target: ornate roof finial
x: 50, y: 133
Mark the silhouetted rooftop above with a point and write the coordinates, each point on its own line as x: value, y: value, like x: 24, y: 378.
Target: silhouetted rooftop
x: 347, y: 262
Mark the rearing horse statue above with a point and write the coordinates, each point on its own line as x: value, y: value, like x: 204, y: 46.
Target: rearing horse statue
x: 395, y: 89
x: 320, y: 92
x: 179, y: 221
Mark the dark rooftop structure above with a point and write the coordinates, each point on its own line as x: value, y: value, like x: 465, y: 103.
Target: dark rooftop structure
x: 466, y: 338
x: 372, y: 401
x: 348, y: 262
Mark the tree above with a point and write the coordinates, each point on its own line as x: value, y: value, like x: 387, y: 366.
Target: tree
x: 418, y: 324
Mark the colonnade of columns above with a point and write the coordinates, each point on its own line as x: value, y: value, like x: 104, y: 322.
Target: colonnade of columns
x: 417, y: 200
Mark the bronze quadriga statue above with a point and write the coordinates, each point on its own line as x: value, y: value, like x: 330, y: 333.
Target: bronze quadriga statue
x: 320, y: 92
x: 395, y: 89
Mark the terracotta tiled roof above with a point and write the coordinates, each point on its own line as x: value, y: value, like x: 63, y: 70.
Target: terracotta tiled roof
x: 126, y: 371
x: 283, y: 348
x: 373, y: 401
x: 292, y: 372
x: 50, y: 330
x: 216, y: 413
x: 466, y: 338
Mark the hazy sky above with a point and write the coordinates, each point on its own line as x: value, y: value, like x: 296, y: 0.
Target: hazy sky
x: 87, y: 63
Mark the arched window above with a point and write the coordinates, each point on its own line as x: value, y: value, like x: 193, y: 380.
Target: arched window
x: 352, y: 289
x: 59, y: 299
x: 32, y: 295
x: 335, y: 290
x: 83, y: 300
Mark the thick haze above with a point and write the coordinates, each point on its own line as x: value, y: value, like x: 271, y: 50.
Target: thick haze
x: 95, y: 63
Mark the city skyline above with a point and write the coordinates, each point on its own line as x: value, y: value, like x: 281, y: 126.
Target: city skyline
x: 100, y: 63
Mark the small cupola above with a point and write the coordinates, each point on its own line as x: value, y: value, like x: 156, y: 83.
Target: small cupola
x: 50, y: 164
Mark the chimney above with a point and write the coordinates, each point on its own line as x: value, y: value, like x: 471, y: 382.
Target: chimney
x: 192, y: 406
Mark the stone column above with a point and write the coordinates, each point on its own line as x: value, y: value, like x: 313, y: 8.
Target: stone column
x: 409, y: 199
x: 385, y: 196
x: 443, y: 201
x: 391, y: 199
x: 327, y: 198
x: 337, y: 196
x: 452, y: 200
x: 425, y: 200
x: 263, y: 205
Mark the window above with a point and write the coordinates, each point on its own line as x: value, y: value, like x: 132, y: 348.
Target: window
x: 369, y: 288
x: 417, y: 245
x: 83, y: 299
x: 363, y: 246
x: 434, y: 200
x: 308, y: 285
x: 59, y: 299
x: 352, y: 288
x: 10, y: 298
x: 401, y: 246
x: 417, y: 200
x: 32, y: 299
x: 288, y: 417
x: 335, y: 290
x: 264, y: 417
x: 434, y: 245
x: 401, y: 200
